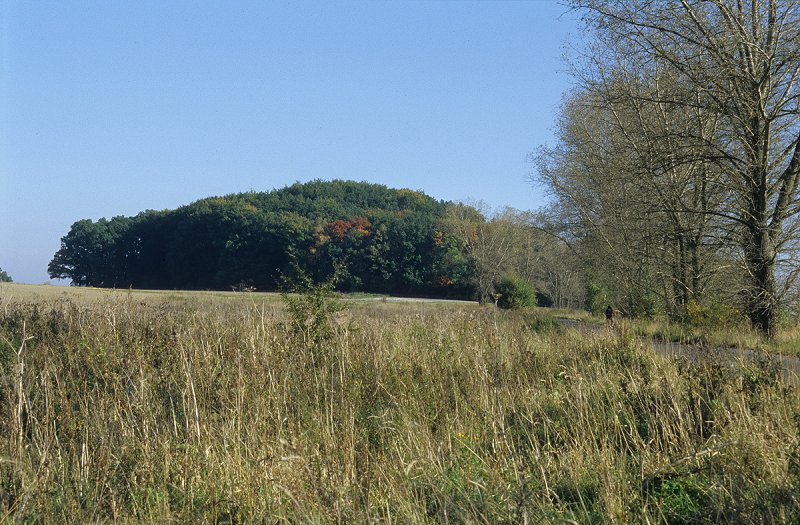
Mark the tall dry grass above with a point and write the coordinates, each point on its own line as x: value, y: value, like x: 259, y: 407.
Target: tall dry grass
x: 131, y: 411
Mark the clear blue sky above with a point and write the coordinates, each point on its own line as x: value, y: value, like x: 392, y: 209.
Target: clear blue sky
x: 111, y: 108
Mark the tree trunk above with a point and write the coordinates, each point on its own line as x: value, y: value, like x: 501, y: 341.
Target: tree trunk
x: 762, y: 307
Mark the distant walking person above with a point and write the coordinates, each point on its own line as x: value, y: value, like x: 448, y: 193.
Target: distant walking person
x: 610, y: 316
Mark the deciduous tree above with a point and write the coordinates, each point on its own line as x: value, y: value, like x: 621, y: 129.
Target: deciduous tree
x: 714, y: 86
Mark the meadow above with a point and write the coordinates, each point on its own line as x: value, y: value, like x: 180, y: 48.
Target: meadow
x: 127, y: 406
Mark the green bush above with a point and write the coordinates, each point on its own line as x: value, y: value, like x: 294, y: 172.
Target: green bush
x: 644, y: 303
x: 311, y: 305
x: 598, y: 295
x: 514, y: 292
x: 711, y: 315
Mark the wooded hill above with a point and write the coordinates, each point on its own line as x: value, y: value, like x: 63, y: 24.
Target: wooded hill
x: 389, y: 241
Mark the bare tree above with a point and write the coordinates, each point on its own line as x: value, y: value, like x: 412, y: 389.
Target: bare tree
x: 496, y: 243
x: 735, y: 66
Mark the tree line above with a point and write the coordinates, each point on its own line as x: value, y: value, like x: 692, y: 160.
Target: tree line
x: 675, y: 174
x: 390, y: 241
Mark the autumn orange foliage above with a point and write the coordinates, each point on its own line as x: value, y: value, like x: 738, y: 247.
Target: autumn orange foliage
x: 339, y: 227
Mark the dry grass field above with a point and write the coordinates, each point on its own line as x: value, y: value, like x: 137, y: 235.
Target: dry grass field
x: 127, y: 406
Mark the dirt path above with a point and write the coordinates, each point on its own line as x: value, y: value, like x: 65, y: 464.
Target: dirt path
x: 790, y: 364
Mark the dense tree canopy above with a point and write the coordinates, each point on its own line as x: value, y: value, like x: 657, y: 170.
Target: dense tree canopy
x: 390, y: 241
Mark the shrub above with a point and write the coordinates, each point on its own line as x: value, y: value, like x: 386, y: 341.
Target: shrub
x: 514, y: 292
x: 597, y: 295
x: 311, y: 305
x: 712, y: 315
x: 643, y: 302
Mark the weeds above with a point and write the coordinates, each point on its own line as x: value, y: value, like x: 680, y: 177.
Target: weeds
x: 154, y: 411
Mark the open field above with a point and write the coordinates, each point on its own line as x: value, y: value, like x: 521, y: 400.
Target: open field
x: 14, y: 292
x: 136, y: 406
x: 89, y: 296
